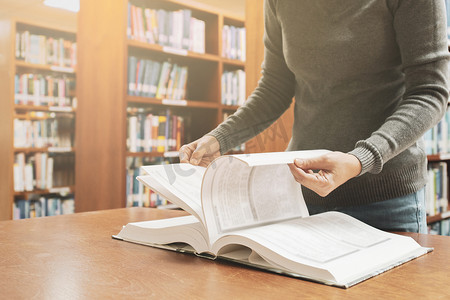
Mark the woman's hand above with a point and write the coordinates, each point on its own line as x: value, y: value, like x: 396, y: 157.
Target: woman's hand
x: 332, y: 170
x: 200, y: 152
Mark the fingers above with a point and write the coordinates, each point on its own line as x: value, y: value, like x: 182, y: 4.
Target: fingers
x: 200, y: 152
x: 316, y: 163
x: 186, y: 151
x: 334, y: 169
x: 322, y: 181
x: 319, y: 182
x: 197, y: 155
x: 192, y: 153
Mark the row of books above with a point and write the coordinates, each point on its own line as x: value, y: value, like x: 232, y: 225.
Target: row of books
x: 437, y: 139
x: 43, y: 90
x: 440, y: 228
x: 233, y: 42
x: 51, y: 132
x: 45, y: 50
x: 437, y: 188
x: 43, y: 206
x: 233, y: 87
x: 176, y: 29
x: 148, y: 132
x: 41, y: 171
x: 137, y: 193
x: 148, y: 78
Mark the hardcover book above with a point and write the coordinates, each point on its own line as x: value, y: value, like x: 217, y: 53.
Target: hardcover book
x: 247, y: 208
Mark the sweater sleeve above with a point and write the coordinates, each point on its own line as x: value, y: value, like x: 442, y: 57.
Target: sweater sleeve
x: 272, y: 96
x: 420, y: 27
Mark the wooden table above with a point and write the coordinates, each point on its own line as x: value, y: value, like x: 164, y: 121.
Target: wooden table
x: 74, y: 256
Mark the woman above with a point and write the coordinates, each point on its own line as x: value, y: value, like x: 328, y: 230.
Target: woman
x: 369, y: 78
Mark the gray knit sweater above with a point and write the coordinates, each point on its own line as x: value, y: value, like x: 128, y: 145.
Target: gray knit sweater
x: 369, y: 78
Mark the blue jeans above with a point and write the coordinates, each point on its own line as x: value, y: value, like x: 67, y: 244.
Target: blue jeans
x: 407, y: 213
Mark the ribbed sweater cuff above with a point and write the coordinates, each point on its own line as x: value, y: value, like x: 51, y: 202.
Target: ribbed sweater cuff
x: 223, y: 139
x: 369, y: 156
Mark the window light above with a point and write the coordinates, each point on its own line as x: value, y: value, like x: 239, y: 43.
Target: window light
x: 71, y: 5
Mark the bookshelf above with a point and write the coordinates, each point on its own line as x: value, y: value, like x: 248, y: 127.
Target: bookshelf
x: 37, y: 119
x: 438, y: 196
x: 201, y: 108
x: 106, y: 42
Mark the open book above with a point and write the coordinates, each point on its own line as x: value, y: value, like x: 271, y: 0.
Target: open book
x: 248, y: 208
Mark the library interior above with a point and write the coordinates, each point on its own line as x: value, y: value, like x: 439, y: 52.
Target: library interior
x: 92, y: 91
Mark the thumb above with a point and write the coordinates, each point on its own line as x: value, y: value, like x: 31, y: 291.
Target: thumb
x: 197, y: 155
x: 316, y: 163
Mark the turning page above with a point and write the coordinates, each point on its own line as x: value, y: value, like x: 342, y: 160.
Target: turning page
x: 179, y: 183
x: 242, y: 191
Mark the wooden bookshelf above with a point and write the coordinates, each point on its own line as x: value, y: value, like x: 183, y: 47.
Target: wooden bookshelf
x: 11, y: 65
x: 55, y: 190
x: 171, y: 103
x: 39, y: 67
x: 103, y: 51
x: 438, y: 158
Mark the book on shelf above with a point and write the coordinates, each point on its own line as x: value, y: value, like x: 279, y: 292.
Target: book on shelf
x: 45, y: 50
x: 248, y: 209
x: 233, y: 42
x: 437, y: 188
x: 176, y: 29
x: 42, y: 171
x: 49, y: 131
x: 155, y: 132
x: 164, y: 80
x: 43, y: 206
x: 137, y: 193
x: 233, y: 87
x: 440, y: 228
x: 43, y: 90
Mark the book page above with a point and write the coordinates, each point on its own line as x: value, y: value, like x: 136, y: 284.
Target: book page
x: 303, y: 240
x: 186, y: 229
x: 237, y: 196
x: 178, y: 183
x: 272, y: 158
x: 331, y: 242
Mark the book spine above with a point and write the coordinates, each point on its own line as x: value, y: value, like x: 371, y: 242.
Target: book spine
x: 149, y: 26
x: 161, y: 134
x: 129, y: 34
x: 187, y: 14
x: 162, y: 30
x: 154, y: 78
x: 147, y: 77
x: 155, y: 126
x: 132, y: 134
x: 163, y: 80
x: 134, y: 25
x: 132, y: 66
x: 148, y: 133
